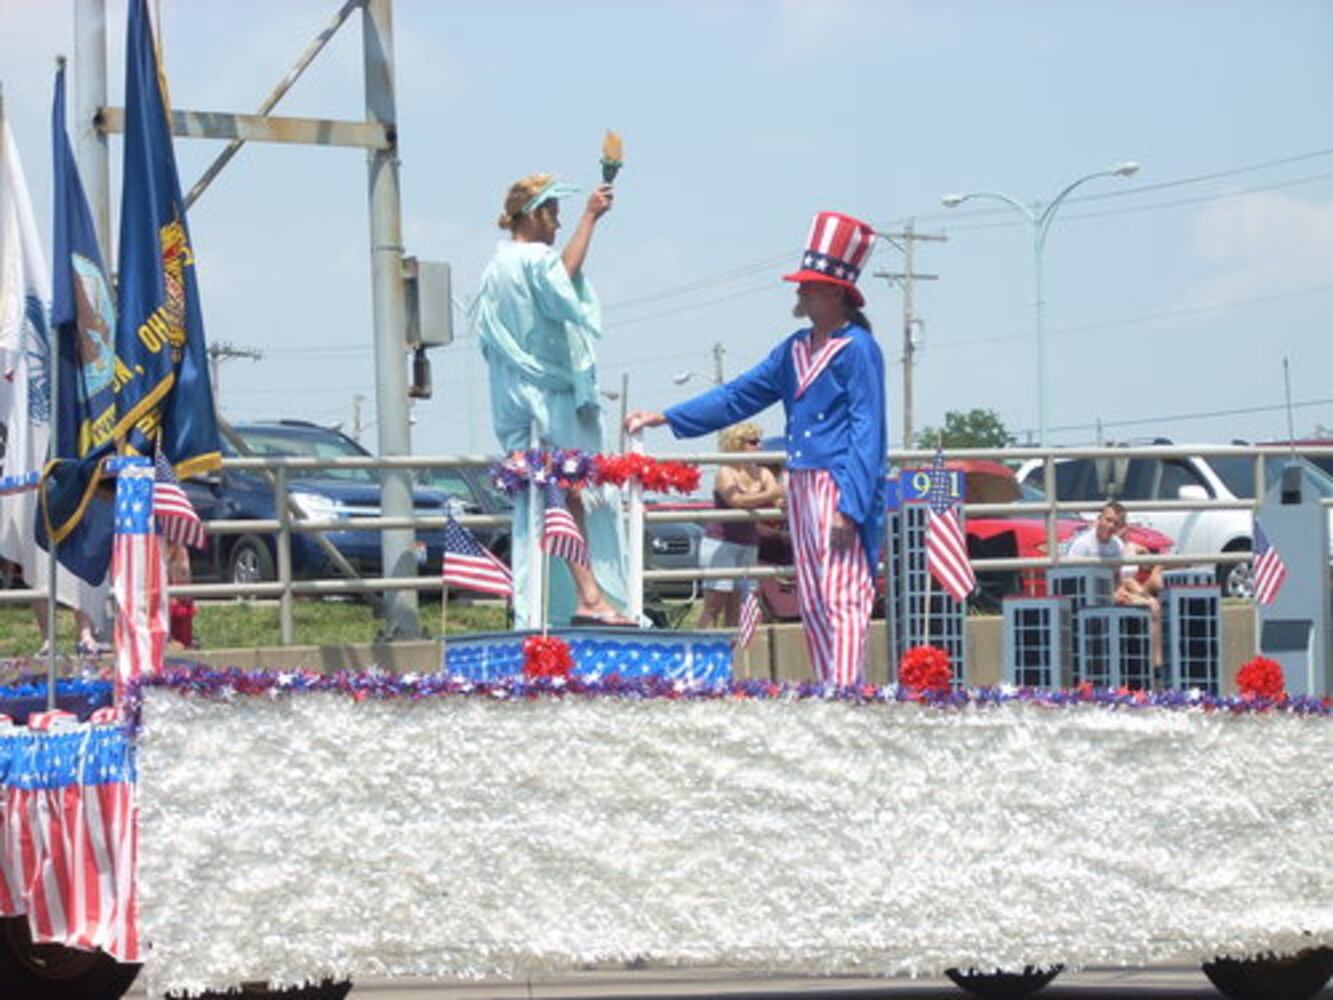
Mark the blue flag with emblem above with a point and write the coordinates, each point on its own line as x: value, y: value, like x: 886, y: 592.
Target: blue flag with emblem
x: 161, y: 378
x: 84, y: 318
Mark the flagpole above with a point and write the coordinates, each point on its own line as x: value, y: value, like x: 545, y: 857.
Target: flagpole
x: 52, y: 447
x: 745, y: 580
x: 444, y: 611
x: 546, y: 590
x: 536, y: 559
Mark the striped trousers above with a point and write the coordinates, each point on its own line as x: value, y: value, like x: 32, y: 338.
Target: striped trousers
x: 833, y: 585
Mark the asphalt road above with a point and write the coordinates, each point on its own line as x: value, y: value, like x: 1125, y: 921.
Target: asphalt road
x: 1167, y: 982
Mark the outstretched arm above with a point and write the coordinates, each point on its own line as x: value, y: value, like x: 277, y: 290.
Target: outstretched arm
x: 637, y: 420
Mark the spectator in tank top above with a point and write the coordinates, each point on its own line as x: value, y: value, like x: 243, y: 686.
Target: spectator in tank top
x: 742, y: 485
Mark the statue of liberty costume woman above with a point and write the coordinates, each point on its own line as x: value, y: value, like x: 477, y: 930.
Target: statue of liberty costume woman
x: 538, y: 321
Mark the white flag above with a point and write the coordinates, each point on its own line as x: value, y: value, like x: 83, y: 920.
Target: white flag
x: 25, y: 387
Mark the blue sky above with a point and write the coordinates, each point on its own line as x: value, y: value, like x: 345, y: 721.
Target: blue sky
x: 1171, y: 294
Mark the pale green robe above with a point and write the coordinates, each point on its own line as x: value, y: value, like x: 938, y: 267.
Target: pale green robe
x: 537, y: 329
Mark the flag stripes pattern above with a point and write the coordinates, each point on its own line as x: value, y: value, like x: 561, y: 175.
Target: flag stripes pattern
x: 838, y: 244
x: 53, y: 719
x: 1269, y: 570
x: 560, y: 532
x: 750, y: 615
x: 468, y: 565
x: 946, y: 544
x: 177, y: 520
x: 833, y: 585
x: 807, y: 368
x: 68, y: 838
x: 138, y: 579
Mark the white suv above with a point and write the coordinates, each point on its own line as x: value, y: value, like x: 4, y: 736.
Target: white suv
x: 1189, y: 477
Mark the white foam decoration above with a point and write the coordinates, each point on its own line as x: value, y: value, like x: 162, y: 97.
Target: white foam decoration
x: 302, y: 837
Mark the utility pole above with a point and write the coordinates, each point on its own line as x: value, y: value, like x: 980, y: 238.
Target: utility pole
x: 906, y: 242
x: 718, y: 375
x: 220, y: 351
x: 357, y: 400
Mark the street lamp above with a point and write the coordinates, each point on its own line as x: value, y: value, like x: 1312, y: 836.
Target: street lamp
x: 684, y: 377
x: 1039, y: 217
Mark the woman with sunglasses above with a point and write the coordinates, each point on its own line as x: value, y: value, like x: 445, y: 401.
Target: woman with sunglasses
x: 743, y: 485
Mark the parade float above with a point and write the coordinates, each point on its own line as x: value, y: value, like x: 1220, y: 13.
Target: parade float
x: 568, y: 798
x: 602, y: 804
x: 560, y: 799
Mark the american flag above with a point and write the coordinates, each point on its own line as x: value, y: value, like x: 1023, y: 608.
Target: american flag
x: 1269, y: 569
x: 67, y: 860
x: 177, y: 520
x: 560, y: 532
x: 138, y: 578
x: 750, y: 616
x: 468, y: 565
x: 946, y: 545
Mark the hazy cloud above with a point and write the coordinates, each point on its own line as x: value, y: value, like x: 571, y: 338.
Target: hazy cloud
x: 1263, y: 243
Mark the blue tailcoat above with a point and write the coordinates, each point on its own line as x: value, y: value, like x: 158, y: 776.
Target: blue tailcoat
x: 837, y: 424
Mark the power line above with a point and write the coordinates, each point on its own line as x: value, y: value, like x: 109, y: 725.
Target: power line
x: 1176, y: 203
x: 722, y: 277
x: 1069, y: 331
x: 1138, y: 189
x: 1178, y: 417
x: 959, y: 221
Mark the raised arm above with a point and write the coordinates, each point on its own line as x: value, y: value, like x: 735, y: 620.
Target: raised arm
x: 576, y: 250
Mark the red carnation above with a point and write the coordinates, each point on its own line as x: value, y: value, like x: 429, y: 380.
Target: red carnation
x: 925, y: 668
x: 1262, y: 678
x: 546, y: 656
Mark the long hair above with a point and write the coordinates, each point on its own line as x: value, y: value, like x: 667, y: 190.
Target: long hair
x: 854, y: 313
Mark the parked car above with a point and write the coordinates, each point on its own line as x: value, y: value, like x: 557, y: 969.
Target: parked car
x: 236, y: 494
x: 1021, y: 536
x: 469, y: 491
x: 1303, y: 447
x: 1005, y: 537
x: 672, y: 545
x: 1191, y: 477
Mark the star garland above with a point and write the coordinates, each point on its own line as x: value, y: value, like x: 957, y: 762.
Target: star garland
x: 570, y: 468
x: 200, y: 681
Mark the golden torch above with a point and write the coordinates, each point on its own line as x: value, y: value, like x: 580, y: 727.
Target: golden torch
x: 613, y: 153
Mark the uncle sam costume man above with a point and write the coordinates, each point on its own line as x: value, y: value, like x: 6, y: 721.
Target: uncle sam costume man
x: 830, y: 379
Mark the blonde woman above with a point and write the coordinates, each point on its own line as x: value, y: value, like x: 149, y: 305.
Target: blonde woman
x: 743, y: 485
x: 537, y: 319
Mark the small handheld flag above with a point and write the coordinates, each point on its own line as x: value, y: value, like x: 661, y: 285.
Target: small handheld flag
x: 946, y: 545
x: 1269, y: 570
x: 177, y: 520
x: 750, y: 616
x: 468, y: 565
x: 560, y: 532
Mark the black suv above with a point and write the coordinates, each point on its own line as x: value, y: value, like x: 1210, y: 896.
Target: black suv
x: 236, y: 494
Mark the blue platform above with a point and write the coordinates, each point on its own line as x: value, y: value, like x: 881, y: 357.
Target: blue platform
x: 599, y: 653
x: 28, y: 695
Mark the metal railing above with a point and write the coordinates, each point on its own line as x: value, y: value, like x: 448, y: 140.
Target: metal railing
x: 286, y: 587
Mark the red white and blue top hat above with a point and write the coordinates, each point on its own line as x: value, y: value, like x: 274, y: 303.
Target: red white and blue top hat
x: 836, y: 249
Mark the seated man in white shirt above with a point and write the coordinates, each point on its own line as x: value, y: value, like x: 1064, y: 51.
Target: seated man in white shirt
x: 1135, y: 587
